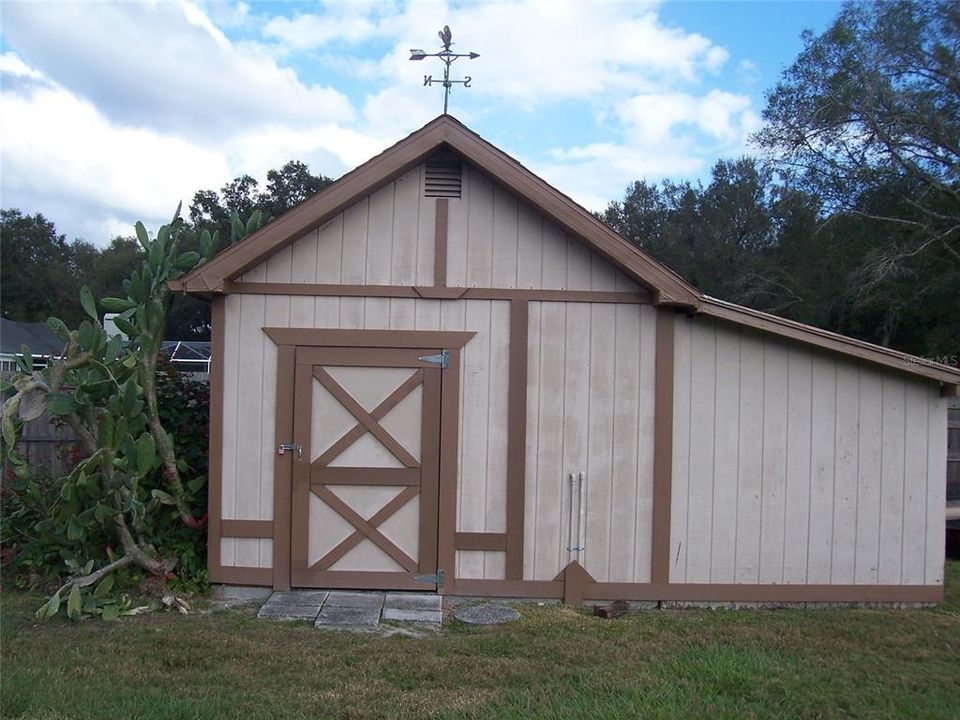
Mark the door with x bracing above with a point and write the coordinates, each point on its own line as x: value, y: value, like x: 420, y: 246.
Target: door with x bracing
x: 365, y: 488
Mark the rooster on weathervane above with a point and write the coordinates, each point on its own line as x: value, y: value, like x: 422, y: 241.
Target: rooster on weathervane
x: 448, y: 56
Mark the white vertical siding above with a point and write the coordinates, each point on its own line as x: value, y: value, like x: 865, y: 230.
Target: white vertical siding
x: 797, y: 466
x: 493, y: 241
x: 590, y: 380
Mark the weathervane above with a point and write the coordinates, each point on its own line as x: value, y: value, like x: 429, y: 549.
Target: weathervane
x: 448, y: 57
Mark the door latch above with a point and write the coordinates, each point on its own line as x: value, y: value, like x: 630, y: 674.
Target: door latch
x: 291, y: 447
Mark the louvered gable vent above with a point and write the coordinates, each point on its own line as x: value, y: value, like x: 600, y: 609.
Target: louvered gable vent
x: 443, y: 179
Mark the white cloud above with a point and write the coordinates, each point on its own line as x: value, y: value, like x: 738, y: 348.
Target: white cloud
x: 165, y: 66
x: 58, y: 149
x: 532, y: 50
x: 653, y: 118
x: 310, y: 31
x: 662, y: 135
x: 14, y: 67
x: 112, y: 113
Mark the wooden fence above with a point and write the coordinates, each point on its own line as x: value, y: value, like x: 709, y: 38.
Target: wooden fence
x: 47, y: 445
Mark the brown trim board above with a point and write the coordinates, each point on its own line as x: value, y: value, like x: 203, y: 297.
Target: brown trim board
x: 705, y: 592
x: 440, y: 243
x: 662, y: 447
x: 490, y: 541
x: 230, y: 287
x: 215, y: 452
x: 283, y: 466
x: 244, y: 576
x: 246, y: 528
x: 516, y: 436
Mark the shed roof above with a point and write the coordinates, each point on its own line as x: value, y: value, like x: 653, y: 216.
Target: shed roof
x: 445, y: 132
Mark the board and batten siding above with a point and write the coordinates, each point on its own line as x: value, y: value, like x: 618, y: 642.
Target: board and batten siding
x: 591, y: 371
x: 590, y: 380
x: 494, y: 241
x: 792, y: 465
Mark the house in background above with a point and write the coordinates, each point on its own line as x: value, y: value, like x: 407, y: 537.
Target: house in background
x: 442, y: 373
x: 37, y: 336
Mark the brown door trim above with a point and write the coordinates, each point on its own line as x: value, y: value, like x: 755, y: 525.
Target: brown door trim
x: 318, y: 337
x: 449, y: 441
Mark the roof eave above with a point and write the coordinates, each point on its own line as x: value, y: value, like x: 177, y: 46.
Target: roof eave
x: 877, y: 354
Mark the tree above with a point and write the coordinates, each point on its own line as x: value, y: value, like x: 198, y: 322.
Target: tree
x: 875, y: 102
x: 287, y: 187
x: 38, y: 272
x: 713, y: 236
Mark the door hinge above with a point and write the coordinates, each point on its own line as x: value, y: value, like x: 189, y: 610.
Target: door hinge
x: 442, y: 359
x: 436, y: 578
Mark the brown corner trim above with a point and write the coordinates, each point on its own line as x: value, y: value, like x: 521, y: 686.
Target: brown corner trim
x: 949, y: 391
x: 246, y: 528
x: 215, y: 452
x: 480, y: 541
x: 243, y: 576
x: 575, y: 580
x: 641, y: 297
x: 368, y: 338
x: 516, y: 436
x: 283, y: 466
x: 440, y: 243
x: 663, y: 448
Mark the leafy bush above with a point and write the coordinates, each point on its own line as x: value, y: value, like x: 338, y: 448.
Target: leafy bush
x: 37, y: 551
x: 128, y: 510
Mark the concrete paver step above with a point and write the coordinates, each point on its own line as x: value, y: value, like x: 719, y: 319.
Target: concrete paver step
x: 345, y: 610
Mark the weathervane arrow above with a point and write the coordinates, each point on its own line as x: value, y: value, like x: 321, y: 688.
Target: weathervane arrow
x: 448, y: 57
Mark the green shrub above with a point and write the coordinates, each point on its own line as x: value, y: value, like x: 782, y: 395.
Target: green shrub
x: 36, y: 551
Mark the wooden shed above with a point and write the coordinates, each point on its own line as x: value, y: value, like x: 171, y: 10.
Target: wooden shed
x: 442, y: 373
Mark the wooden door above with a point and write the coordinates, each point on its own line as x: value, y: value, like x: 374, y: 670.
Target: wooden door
x: 365, y: 487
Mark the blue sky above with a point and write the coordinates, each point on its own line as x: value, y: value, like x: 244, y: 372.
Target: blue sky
x: 111, y: 113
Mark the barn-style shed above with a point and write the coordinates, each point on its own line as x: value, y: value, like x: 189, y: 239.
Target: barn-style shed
x: 442, y: 373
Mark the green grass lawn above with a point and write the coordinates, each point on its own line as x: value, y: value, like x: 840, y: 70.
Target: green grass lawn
x: 553, y: 663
